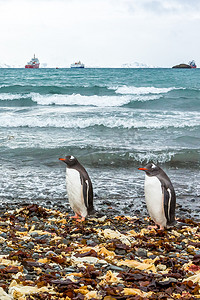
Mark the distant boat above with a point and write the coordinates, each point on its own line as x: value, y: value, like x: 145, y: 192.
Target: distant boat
x: 77, y: 65
x: 33, y: 64
x: 192, y: 64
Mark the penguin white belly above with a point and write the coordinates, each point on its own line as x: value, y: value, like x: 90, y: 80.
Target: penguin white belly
x: 154, y: 200
x: 75, y: 192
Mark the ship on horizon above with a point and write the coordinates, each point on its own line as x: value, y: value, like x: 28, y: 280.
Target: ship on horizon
x: 33, y: 63
x: 192, y: 64
x: 77, y: 65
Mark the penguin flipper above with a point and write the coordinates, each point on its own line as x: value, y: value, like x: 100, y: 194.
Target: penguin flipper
x: 88, y: 195
x: 169, y: 205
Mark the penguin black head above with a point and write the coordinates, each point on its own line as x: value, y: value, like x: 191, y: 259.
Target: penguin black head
x: 151, y: 169
x: 69, y: 160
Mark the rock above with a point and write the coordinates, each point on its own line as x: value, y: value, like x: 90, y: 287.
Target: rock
x: 3, y: 234
x: 21, y: 219
x: 35, y: 256
x: 8, y: 250
x: 141, y: 252
x: 33, y: 234
x: 42, y: 237
x: 69, y: 270
x: 182, y: 66
x: 22, y: 229
x: 30, y: 245
x: 51, y: 253
x: 115, y: 268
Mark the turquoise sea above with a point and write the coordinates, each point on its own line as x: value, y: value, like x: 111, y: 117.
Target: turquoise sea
x: 113, y: 121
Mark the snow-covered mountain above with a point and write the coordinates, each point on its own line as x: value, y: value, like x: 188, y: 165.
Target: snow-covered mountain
x: 2, y: 65
x: 136, y: 65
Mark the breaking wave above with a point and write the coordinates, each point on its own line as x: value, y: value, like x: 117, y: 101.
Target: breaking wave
x: 63, y: 118
x: 92, y: 156
x: 143, y: 90
x: 71, y: 100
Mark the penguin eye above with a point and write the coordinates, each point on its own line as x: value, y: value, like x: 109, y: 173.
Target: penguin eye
x: 153, y: 166
x: 71, y: 157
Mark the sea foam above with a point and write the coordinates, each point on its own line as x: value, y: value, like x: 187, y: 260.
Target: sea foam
x: 64, y: 118
x: 143, y: 90
x: 99, y: 101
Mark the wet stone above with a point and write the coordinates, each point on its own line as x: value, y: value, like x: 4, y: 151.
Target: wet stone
x: 51, y: 253
x: 3, y: 234
x: 25, y: 271
x: 179, y: 247
x: 48, y: 271
x: 69, y: 270
x: 35, y: 219
x: 90, y: 243
x: 35, y: 256
x: 30, y: 245
x: 8, y: 250
x: 141, y: 252
x: 22, y: 229
x: 55, y: 227
x: 66, y: 242
x: 57, y: 267
x: 33, y: 234
x: 120, y: 252
x: 21, y: 219
x: 42, y: 237
x: 115, y: 268
x: 172, y: 255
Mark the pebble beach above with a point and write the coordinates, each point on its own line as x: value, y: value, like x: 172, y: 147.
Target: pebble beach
x: 44, y: 254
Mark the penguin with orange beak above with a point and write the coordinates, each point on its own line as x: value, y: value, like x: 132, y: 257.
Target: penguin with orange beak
x: 79, y: 188
x: 159, y: 195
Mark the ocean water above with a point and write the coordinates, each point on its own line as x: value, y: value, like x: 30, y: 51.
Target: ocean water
x: 113, y: 121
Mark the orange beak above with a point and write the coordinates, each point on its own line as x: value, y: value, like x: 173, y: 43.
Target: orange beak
x: 61, y: 159
x: 143, y: 169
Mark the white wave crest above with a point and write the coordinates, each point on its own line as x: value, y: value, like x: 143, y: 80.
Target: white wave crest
x: 65, y: 118
x: 153, y: 156
x: 133, y: 90
x: 77, y: 99
x: 99, y: 101
x: 8, y: 96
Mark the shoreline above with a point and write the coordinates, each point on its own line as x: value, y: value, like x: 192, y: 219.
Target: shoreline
x: 47, y: 255
x: 108, y: 207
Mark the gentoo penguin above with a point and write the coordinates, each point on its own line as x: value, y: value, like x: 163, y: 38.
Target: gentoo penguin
x: 79, y: 188
x: 159, y: 195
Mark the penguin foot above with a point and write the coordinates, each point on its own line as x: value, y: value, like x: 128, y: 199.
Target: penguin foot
x: 152, y: 227
x: 81, y: 220
x: 156, y: 227
x: 76, y: 216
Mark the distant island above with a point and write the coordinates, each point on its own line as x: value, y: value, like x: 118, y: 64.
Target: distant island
x: 190, y: 65
x: 182, y: 66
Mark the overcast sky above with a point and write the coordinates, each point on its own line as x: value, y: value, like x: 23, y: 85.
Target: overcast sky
x: 100, y: 32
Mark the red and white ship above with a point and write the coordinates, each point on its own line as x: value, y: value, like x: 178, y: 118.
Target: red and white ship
x: 33, y: 64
